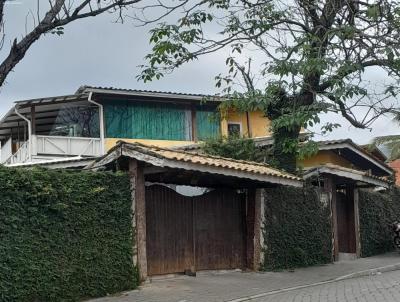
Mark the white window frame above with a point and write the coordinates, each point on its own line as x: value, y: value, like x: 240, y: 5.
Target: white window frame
x: 235, y: 123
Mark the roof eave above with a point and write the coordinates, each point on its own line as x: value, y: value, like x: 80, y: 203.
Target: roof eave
x: 166, y: 95
x: 350, y: 145
x: 347, y: 174
x: 122, y: 150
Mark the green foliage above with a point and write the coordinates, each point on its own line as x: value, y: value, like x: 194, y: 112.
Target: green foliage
x: 243, y: 148
x: 297, y: 228
x: 307, y: 150
x: 64, y: 235
x: 235, y: 147
x: 377, y: 211
x: 318, y: 63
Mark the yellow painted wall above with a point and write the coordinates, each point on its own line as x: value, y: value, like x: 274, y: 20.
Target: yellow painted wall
x: 259, y: 124
x: 111, y: 142
x: 324, y: 157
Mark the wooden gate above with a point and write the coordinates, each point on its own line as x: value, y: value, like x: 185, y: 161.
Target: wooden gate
x: 345, y: 223
x: 194, y: 233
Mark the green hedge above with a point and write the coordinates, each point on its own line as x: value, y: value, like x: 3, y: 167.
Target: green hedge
x: 377, y: 211
x: 297, y: 229
x: 64, y: 235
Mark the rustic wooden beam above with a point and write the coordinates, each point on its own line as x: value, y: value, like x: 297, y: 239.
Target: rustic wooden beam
x: 250, y: 227
x: 357, y: 221
x: 139, y: 217
x: 261, y: 199
x: 330, y: 187
x: 258, y: 226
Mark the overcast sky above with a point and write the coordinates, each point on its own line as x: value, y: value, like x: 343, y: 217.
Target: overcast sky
x: 98, y: 52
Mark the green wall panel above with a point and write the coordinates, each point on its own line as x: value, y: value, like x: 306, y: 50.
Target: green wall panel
x: 208, y: 124
x: 125, y: 119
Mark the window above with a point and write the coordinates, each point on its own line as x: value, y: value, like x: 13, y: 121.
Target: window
x: 234, y: 129
x: 76, y: 121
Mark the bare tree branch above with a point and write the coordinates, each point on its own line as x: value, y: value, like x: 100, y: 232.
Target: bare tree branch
x: 59, y: 14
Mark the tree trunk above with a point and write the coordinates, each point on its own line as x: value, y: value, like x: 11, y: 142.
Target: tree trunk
x: 285, y: 148
x: 286, y: 138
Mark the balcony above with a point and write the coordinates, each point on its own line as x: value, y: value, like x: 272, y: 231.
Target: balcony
x: 45, y: 147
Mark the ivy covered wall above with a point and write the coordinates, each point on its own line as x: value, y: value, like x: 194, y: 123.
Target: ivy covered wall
x: 377, y: 211
x: 64, y: 235
x: 297, y: 228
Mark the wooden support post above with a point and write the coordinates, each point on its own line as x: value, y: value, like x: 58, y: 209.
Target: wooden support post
x: 33, y: 120
x: 194, y: 124
x: 357, y: 222
x: 139, y: 217
x: 330, y: 187
x: 250, y: 224
x: 260, y: 198
x: 249, y: 134
x: 258, y: 225
x: 254, y: 223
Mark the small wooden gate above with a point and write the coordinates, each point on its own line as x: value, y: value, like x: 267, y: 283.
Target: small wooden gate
x: 194, y: 233
x: 345, y: 223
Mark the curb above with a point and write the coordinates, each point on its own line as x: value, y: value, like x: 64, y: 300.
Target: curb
x: 369, y: 272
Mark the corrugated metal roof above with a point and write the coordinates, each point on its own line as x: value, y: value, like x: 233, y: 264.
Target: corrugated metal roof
x: 100, y: 89
x: 75, y: 159
x: 60, y: 98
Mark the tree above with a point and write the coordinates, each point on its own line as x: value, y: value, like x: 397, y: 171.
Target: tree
x: 59, y: 14
x: 315, y: 56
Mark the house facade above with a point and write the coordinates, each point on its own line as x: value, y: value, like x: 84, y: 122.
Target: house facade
x: 91, y: 121
x: 75, y: 130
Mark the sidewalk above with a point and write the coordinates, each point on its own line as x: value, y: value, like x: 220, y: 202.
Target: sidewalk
x: 217, y: 286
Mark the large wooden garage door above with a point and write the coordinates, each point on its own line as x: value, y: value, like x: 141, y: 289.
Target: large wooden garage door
x: 201, y: 232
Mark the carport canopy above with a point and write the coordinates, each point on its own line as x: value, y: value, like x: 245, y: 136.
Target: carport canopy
x: 169, y: 166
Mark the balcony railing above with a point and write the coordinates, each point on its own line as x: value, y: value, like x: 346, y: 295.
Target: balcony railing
x: 21, y: 156
x: 65, y: 145
x: 55, y: 147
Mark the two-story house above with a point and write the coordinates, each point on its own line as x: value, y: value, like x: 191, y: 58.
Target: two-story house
x: 90, y: 122
x: 69, y: 131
